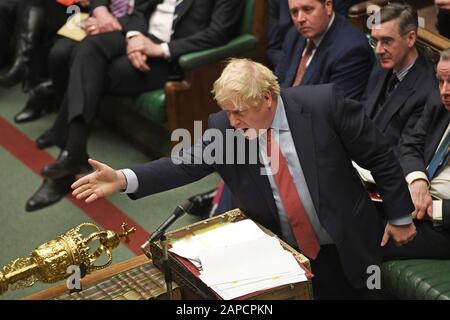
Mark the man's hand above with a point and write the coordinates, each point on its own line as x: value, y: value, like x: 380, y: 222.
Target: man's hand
x: 90, y: 26
x: 144, y: 45
x: 106, y: 22
x: 422, y: 199
x: 400, y: 234
x: 139, y: 61
x: 443, y: 4
x: 99, y: 184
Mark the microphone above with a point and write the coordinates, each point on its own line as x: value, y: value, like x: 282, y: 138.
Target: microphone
x: 177, y: 213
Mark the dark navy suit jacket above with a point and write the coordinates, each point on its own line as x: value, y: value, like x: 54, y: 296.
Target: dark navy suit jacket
x: 404, y: 106
x: 279, y: 22
x: 327, y: 132
x: 344, y: 57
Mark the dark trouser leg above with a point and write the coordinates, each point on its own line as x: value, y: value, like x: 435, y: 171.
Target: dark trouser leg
x: 55, y: 18
x: 59, y: 67
x: 429, y: 243
x: 48, y: 95
x: 8, y: 11
x: 100, y: 66
x: 329, y: 281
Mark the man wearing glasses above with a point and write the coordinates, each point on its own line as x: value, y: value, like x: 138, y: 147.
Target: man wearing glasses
x: 402, y: 79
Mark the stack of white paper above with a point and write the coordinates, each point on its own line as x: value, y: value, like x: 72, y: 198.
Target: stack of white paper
x: 239, y: 258
x: 228, y: 234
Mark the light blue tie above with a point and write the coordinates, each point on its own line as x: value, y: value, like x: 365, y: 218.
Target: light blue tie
x: 440, y: 158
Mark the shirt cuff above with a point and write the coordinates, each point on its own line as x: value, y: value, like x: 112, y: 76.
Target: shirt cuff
x: 401, y: 221
x: 437, y: 210
x: 165, y: 49
x: 132, y: 34
x: 416, y: 175
x: 132, y: 181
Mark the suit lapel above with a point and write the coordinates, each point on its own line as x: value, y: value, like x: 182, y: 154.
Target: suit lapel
x: 292, y: 71
x: 180, y: 11
x: 374, y: 94
x: 439, y: 128
x: 302, y: 133
x: 327, y: 42
x: 396, y: 100
x: 261, y: 183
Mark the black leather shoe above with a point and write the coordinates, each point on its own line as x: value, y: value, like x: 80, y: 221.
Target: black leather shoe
x: 44, y: 140
x: 39, y: 103
x: 66, y: 165
x: 29, y: 113
x: 51, y: 191
x: 202, y: 203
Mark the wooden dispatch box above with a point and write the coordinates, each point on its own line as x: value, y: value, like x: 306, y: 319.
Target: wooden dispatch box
x: 192, y: 287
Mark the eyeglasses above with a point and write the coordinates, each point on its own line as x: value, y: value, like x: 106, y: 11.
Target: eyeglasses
x: 385, y: 42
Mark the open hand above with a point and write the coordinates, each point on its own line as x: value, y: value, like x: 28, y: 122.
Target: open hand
x: 99, y: 184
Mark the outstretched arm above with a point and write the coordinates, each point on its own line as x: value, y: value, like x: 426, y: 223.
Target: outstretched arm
x: 99, y: 184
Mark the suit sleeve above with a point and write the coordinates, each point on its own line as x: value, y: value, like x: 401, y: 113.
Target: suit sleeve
x: 365, y: 146
x: 226, y: 14
x: 285, y: 59
x: 412, y: 145
x: 182, y: 168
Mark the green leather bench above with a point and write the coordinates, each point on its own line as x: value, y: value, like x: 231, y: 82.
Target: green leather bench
x: 416, y: 279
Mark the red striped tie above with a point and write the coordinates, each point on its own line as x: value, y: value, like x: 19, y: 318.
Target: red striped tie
x: 301, y: 227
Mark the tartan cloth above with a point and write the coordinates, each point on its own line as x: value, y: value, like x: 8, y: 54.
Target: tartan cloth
x: 140, y: 283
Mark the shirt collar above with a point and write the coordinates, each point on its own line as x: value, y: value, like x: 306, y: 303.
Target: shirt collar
x: 402, y: 73
x: 319, y: 39
x: 279, y: 121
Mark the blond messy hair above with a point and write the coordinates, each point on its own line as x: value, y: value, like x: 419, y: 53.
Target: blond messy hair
x: 243, y: 83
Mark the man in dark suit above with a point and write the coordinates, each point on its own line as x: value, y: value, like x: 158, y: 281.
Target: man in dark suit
x: 425, y: 160
x: 279, y: 22
x: 402, y: 79
x: 138, y: 58
x: 323, y: 47
x: 318, y: 131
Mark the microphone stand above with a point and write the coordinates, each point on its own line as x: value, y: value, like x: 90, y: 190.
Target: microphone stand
x: 159, y: 234
x: 166, y: 268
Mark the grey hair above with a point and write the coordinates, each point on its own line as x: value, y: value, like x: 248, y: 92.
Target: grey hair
x: 407, y: 15
x: 445, y: 54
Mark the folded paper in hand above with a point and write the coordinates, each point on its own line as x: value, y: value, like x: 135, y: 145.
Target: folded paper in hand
x: 73, y: 29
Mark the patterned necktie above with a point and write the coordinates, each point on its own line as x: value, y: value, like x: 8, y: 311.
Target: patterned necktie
x: 302, y: 66
x: 301, y: 226
x: 440, y: 158
x: 119, y: 8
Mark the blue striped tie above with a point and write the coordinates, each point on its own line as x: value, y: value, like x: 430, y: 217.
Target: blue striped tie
x: 440, y: 158
x: 119, y: 7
